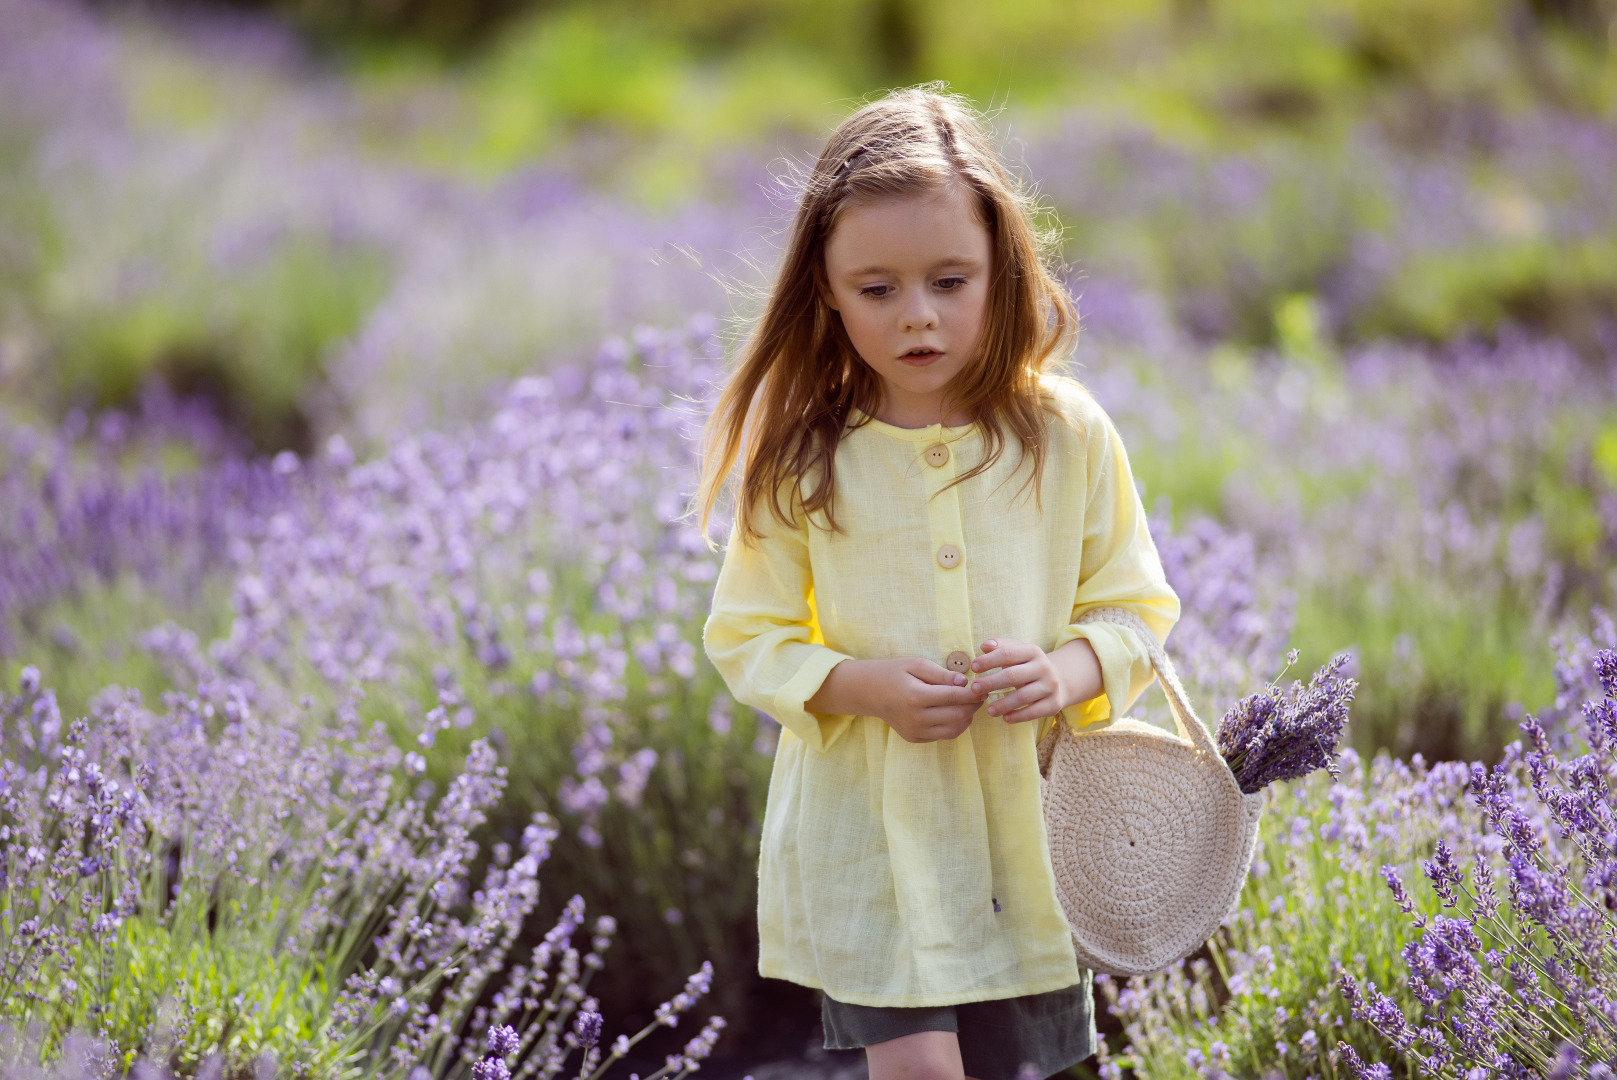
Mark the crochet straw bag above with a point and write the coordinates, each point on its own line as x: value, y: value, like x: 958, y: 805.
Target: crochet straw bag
x: 1150, y: 835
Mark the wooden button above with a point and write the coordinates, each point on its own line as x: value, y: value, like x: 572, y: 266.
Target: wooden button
x: 948, y: 556
x: 937, y: 455
x: 958, y: 661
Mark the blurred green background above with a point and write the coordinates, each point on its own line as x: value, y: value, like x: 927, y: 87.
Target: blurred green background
x: 689, y: 74
x: 656, y: 103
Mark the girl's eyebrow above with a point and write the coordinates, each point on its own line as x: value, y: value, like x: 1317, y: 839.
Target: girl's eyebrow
x: 951, y: 260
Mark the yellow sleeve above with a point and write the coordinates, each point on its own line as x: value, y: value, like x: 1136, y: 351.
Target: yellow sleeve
x: 763, y: 635
x: 1119, y: 568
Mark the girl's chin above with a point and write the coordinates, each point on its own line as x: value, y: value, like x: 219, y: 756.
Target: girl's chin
x: 909, y: 379
x: 918, y: 388
x: 937, y: 369
x: 924, y: 395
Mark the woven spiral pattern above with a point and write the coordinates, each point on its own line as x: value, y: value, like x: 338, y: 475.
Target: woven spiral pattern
x: 1150, y: 836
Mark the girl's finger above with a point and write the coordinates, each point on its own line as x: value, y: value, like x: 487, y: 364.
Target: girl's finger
x: 938, y: 730
x: 934, y: 674
x: 997, y: 652
x: 1028, y: 694
x: 933, y: 696
x: 1043, y: 704
x: 1036, y: 711
x: 949, y: 711
x: 1014, y: 677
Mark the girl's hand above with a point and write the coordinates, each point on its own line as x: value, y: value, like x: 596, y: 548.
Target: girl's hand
x: 1042, y: 683
x: 921, y: 700
x: 924, y: 701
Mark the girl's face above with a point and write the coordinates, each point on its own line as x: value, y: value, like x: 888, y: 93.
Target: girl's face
x: 909, y: 276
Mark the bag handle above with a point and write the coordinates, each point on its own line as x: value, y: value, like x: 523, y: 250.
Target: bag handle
x: 1191, y: 729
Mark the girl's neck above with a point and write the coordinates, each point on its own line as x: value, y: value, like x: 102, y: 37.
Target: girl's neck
x: 919, y: 414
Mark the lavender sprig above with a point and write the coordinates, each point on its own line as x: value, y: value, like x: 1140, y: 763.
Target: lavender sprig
x: 1284, y: 734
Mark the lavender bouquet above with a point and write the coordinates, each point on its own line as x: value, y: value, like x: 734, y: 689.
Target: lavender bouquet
x: 1283, y: 734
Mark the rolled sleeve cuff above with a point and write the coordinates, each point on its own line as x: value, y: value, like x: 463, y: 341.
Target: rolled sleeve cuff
x: 1116, y: 655
x: 819, y: 731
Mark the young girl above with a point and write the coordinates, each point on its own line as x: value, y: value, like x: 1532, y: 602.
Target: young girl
x: 924, y: 510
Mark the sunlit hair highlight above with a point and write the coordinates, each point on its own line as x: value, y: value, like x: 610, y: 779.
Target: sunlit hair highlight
x: 798, y: 379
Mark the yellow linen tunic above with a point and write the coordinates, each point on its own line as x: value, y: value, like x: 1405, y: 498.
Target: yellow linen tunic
x: 918, y: 874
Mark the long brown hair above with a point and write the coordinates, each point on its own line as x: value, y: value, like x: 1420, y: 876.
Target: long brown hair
x: 786, y: 405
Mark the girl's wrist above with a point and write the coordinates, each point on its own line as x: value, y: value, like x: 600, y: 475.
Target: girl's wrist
x: 1079, y: 672
x: 846, y: 691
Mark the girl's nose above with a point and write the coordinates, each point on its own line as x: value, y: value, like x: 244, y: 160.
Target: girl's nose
x: 919, y: 313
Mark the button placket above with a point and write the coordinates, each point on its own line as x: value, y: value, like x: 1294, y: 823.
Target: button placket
x: 949, y: 570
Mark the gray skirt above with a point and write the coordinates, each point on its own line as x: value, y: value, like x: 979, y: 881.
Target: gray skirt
x: 1049, y: 1032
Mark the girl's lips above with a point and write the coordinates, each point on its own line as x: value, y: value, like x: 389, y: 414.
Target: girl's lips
x: 920, y: 359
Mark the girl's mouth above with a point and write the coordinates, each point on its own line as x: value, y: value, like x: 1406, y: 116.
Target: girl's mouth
x: 920, y: 357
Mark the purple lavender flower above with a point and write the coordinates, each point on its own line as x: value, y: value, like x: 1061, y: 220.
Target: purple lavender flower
x: 1565, y: 1064
x: 491, y: 1068
x: 1362, y: 1071
x: 503, y: 1040
x: 697, y: 1050
x: 1395, y: 885
x: 1444, y: 875
x: 1605, y: 667
x: 587, y: 1026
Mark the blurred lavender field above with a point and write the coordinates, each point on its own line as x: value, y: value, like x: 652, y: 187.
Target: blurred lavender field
x: 327, y: 460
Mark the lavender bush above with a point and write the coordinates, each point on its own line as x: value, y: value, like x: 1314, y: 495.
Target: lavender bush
x: 1235, y: 617
x: 529, y: 579
x: 210, y: 881
x: 1464, y: 483
x: 145, y: 501
x: 535, y: 571
x: 250, y: 246
x: 564, y: 506
x: 1393, y: 236
x: 532, y: 580
x: 309, y: 240
x: 1441, y: 512
x: 1264, y: 1001
x: 493, y: 580
x: 1334, y: 966
x: 1515, y: 978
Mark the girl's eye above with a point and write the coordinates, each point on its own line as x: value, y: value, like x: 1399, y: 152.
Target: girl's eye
x: 950, y: 283
x: 874, y: 290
